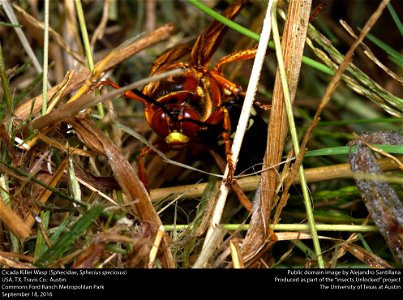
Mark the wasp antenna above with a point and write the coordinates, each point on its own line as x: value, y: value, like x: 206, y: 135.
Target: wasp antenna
x: 150, y: 100
x: 197, y: 122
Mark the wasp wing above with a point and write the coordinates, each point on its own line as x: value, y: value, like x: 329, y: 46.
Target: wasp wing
x: 171, y: 56
x: 202, y: 49
x: 207, y: 43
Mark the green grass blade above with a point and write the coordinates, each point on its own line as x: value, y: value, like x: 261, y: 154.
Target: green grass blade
x: 294, y: 137
x: 385, y: 47
x: 41, y: 246
x: 66, y: 240
x: 34, y: 179
x: 5, y: 84
x: 355, y: 78
x: 396, y: 149
x: 87, y: 46
x: 360, y: 121
x: 395, y: 18
x: 253, y: 35
x: 60, y: 229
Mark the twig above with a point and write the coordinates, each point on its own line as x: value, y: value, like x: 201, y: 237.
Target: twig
x: 293, y: 131
x: 123, y: 52
x: 290, y: 227
x: 250, y: 183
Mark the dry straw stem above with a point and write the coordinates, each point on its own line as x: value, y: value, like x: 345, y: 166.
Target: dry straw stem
x: 293, y: 41
x: 356, y: 79
x: 341, y: 251
x: 28, y: 49
x: 243, y: 120
x: 370, y: 259
x: 289, y: 227
x: 13, y: 221
x: 116, y: 57
x: 127, y: 178
x: 336, y: 78
x: 45, y: 58
x: 236, y: 255
x: 250, y: 183
x: 99, y: 31
x: 55, y: 35
x: 73, y: 108
x: 156, y: 245
x: 371, y: 55
x: 348, y: 245
x: 43, y: 198
x: 12, y: 264
x: 209, y: 247
x: 17, y: 256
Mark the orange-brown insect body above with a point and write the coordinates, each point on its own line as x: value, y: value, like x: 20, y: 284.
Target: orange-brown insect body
x: 195, y: 97
x: 190, y: 100
x: 179, y: 107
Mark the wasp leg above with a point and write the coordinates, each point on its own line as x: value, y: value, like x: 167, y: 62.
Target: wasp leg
x: 237, y: 56
x: 222, y: 114
x: 226, y: 134
x: 142, y: 167
x: 127, y: 94
x: 161, y: 146
x: 243, y: 199
x: 225, y: 83
x: 261, y: 105
x: 217, y: 72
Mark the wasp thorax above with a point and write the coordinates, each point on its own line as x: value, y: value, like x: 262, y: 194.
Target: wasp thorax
x: 172, y: 84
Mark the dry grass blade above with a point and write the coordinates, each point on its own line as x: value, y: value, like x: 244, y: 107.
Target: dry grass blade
x: 212, y: 244
x: 31, y: 21
x: 13, y: 221
x: 20, y: 257
x: 154, y: 250
x: 57, y: 145
x: 127, y: 178
x: 72, y: 108
x: 371, y: 55
x: 12, y: 264
x: 124, y: 52
x: 293, y: 42
x: 236, y: 254
x: 29, y: 219
x: 10, y: 14
x: 372, y: 260
x: 69, y: 177
x: 250, y: 183
x: 99, y: 32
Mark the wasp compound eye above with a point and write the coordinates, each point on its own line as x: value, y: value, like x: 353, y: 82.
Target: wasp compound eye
x: 160, y: 123
x: 189, y: 122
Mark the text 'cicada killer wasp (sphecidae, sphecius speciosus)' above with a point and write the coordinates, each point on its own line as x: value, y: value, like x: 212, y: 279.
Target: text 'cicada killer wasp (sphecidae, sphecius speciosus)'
x: 180, y: 107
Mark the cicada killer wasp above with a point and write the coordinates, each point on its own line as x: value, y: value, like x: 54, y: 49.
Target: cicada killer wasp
x: 180, y: 107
